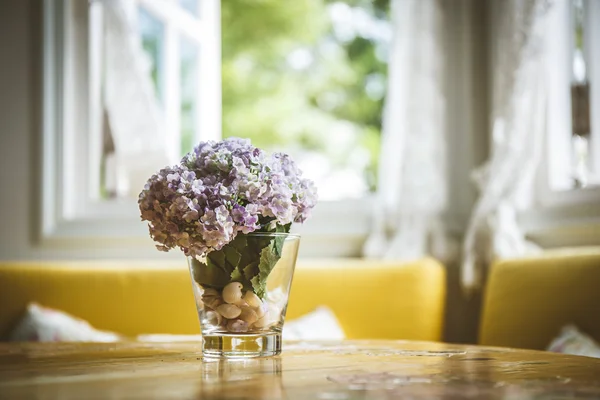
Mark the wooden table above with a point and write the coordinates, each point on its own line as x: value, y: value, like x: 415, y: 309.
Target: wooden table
x: 348, y: 370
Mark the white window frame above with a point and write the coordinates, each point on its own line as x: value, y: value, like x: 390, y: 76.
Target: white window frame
x: 593, y: 38
x: 569, y: 217
x: 558, y: 184
x: 72, y: 215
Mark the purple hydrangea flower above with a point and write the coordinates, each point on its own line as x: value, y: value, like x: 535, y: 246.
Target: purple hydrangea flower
x: 220, y: 189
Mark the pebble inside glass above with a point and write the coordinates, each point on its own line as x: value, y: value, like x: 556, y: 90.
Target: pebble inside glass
x: 237, y: 322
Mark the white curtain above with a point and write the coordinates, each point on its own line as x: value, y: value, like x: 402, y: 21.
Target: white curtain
x: 506, y: 181
x: 137, y: 124
x: 412, y: 188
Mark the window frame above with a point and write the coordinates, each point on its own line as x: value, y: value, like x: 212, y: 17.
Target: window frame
x: 555, y: 174
x: 71, y: 212
x: 569, y: 217
x: 70, y: 219
x: 593, y: 38
x: 205, y: 34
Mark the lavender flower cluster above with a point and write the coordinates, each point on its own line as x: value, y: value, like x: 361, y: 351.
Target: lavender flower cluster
x: 220, y: 189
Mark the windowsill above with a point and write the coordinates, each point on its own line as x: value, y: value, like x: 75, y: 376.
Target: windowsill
x: 336, y: 229
x: 572, y: 220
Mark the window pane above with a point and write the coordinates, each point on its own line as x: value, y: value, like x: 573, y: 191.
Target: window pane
x: 190, y: 6
x: 189, y: 95
x: 152, y: 33
x: 309, y: 78
x: 117, y: 179
x: 582, y: 170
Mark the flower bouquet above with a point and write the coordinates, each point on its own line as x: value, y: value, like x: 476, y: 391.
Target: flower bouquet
x: 229, y: 207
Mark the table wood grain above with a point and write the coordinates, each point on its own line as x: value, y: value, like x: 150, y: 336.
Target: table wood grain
x: 305, y: 370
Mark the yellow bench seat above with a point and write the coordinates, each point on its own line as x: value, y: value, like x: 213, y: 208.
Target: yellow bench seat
x: 372, y: 299
x: 528, y: 300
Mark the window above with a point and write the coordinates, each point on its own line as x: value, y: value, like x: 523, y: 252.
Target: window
x: 107, y: 126
x: 585, y: 57
x: 313, y: 89
x: 132, y: 101
x: 574, y: 116
x: 311, y: 82
x: 568, y: 191
x: 170, y: 76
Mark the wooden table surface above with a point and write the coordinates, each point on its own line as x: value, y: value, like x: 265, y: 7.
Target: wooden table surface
x: 314, y: 370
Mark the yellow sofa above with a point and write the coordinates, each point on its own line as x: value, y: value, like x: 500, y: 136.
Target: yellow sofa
x: 372, y: 299
x: 528, y: 300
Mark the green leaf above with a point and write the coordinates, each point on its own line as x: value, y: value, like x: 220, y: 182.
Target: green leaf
x: 268, y: 259
x: 280, y: 239
x: 249, y: 248
x: 247, y: 259
x: 257, y: 287
x: 283, y: 228
x: 251, y: 270
x: 208, y: 275
x: 232, y: 257
x: 278, y: 245
x: 216, y: 259
x: 237, y: 276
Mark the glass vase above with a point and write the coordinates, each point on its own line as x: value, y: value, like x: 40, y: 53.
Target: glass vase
x: 241, y: 294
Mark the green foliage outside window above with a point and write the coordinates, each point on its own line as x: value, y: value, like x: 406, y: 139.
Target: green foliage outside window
x: 291, y: 78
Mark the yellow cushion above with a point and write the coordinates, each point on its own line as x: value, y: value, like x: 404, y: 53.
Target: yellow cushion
x: 371, y: 299
x: 374, y: 299
x: 528, y: 300
x: 128, y: 298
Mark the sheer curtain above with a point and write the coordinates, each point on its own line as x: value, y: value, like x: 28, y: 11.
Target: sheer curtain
x: 506, y: 181
x: 135, y: 120
x: 413, y: 177
x: 412, y: 172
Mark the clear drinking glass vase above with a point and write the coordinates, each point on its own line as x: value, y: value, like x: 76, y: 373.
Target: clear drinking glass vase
x: 241, y: 294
